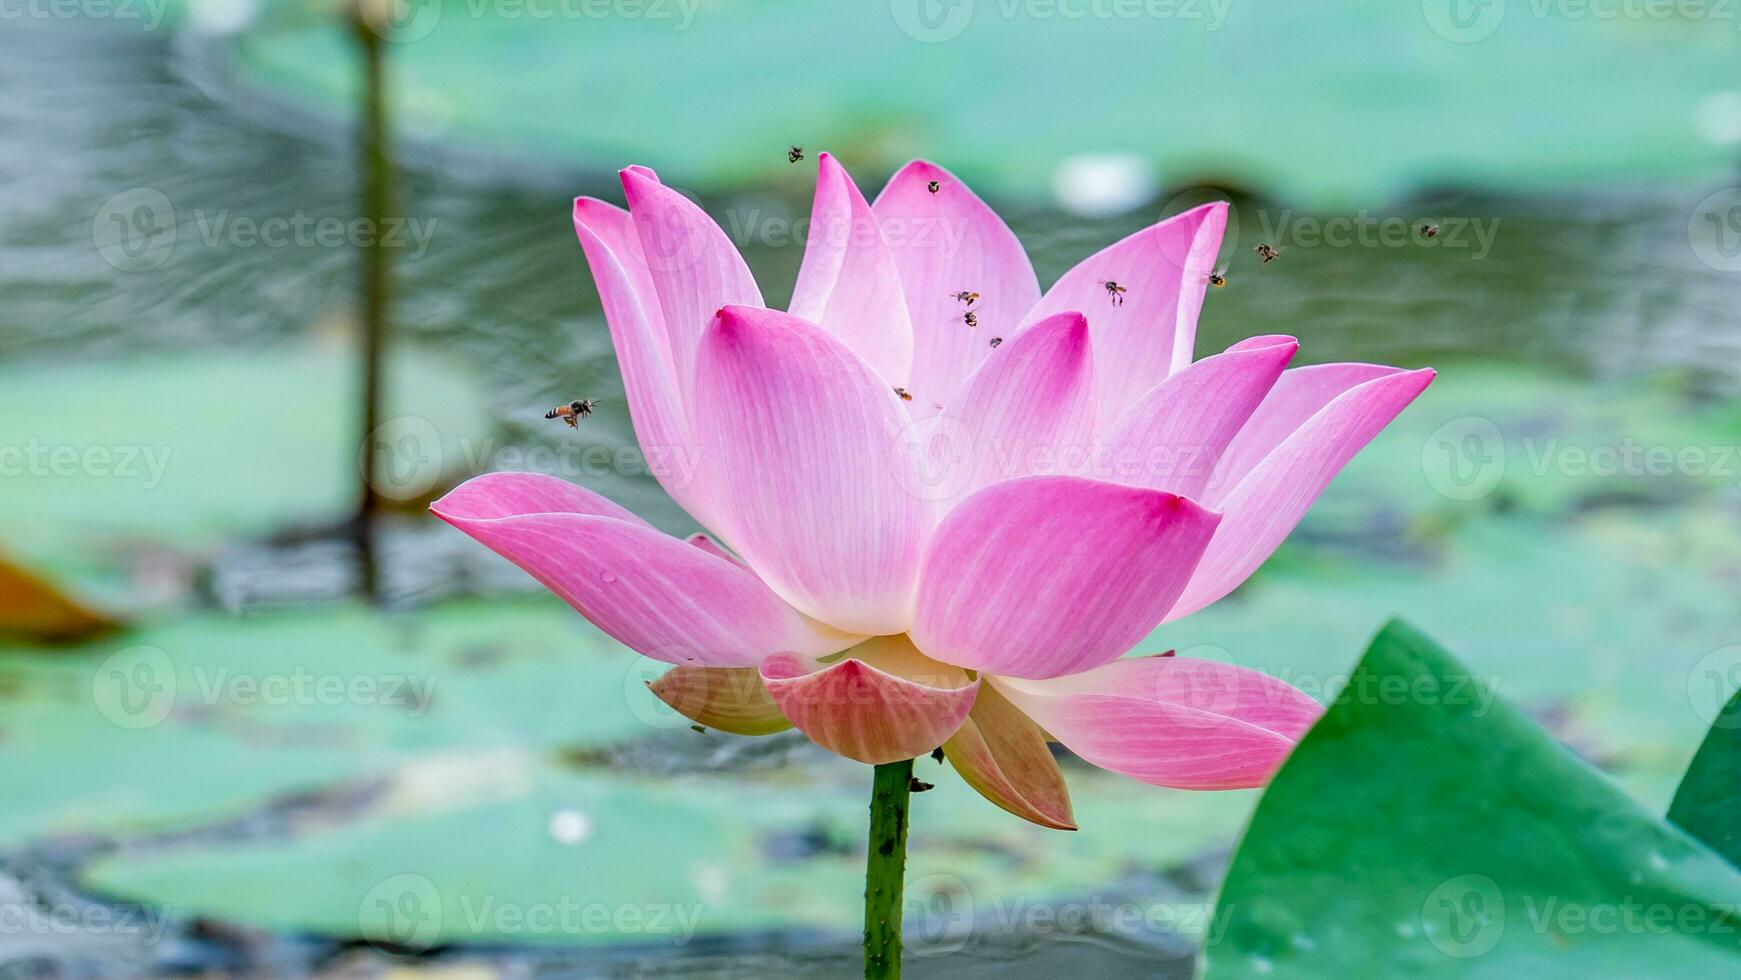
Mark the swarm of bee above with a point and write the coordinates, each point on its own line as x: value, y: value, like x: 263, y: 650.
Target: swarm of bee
x: 1267, y: 252
x: 904, y: 394
x: 996, y: 341
x: 1114, y: 290
x: 1218, y: 278
x: 933, y: 186
x: 1429, y: 231
x: 573, y: 412
x: 794, y: 154
x: 965, y: 296
x: 970, y: 318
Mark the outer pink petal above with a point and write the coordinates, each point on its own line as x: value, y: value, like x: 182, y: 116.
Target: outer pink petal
x: 1028, y: 409
x: 625, y: 288
x: 802, y: 441
x: 694, y: 267
x: 874, y: 709
x: 1050, y: 575
x: 1188, y: 724
x: 1146, y: 332
x: 848, y: 282
x: 946, y: 243
x: 1270, y: 500
x: 1172, y: 438
x: 654, y: 593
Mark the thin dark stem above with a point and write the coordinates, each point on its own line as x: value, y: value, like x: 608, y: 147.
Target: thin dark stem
x: 885, y: 870
x: 377, y: 174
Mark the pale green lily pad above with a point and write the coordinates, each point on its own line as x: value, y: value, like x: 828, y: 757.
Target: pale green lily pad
x: 184, y: 449
x: 1441, y: 834
x: 1262, y: 93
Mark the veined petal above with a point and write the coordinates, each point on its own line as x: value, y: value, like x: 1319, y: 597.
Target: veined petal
x: 730, y: 699
x: 654, y: 593
x: 802, y: 444
x: 946, y: 243
x: 631, y: 307
x: 1187, y: 724
x: 694, y: 267
x: 1173, y: 437
x: 1002, y: 754
x: 1146, y: 332
x: 1028, y: 409
x: 883, y: 703
x: 1050, y: 575
x: 848, y: 282
x: 1270, y: 500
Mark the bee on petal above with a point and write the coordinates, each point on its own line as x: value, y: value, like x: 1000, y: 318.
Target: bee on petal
x: 933, y: 186
x: 1218, y: 278
x: 795, y: 154
x: 996, y: 341
x: 573, y: 412
x: 1113, y: 290
x: 904, y: 394
x: 970, y: 318
x: 965, y: 296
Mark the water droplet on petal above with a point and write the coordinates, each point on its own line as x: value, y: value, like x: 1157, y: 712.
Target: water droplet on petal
x: 607, y: 577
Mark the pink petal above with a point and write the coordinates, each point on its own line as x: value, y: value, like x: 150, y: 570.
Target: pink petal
x: 802, y: 444
x: 1028, y: 409
x: 1050, y: 575
x: 1188, y: 724
x: 1297, y: 396
x: 631, y: 307
x: 1270, y: 499
x: 885, y: 702
x: 946, y: 243
x: 848, y: 282
x: 654, y: 593
x: 1172, y: 438
x: 729, y: 699
x: 1003, y: 755
x: 694, y: 267
x: 1146, y: 332
x: 712, y: 547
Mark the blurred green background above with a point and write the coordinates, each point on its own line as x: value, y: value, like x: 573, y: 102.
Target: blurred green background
x: 263, y: 772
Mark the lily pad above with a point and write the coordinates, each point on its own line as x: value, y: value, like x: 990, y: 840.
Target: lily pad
x: 1008, y: 92
x: 1708, y: 803
x: 1423, y: 830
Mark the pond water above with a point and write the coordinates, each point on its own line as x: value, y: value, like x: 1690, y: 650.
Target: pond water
x: 1618, y: 288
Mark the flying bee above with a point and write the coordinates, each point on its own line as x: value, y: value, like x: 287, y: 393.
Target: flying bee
x: 970, y: 318
x: 965, y: 296
x: 573, y: 412
x: 1113, y: 290
x: 1429, y: 231
x: 906, y: 395
x: 933, y: 186
x: 1218, y: 278
x: 1267, y: 252
x: 918, y: 785
x: 996, y: 341
x: 795, y: 154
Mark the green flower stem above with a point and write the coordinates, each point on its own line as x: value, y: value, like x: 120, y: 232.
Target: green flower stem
x: 885, y: 869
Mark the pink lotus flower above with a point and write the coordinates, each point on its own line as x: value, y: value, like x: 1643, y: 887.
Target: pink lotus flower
x: 984, y: 528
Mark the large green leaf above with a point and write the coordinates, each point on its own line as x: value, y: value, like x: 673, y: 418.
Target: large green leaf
x: 1425, y: 829
x: 1708, y: 803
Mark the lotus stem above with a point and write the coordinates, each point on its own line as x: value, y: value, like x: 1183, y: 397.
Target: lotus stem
x: 885, y: 869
